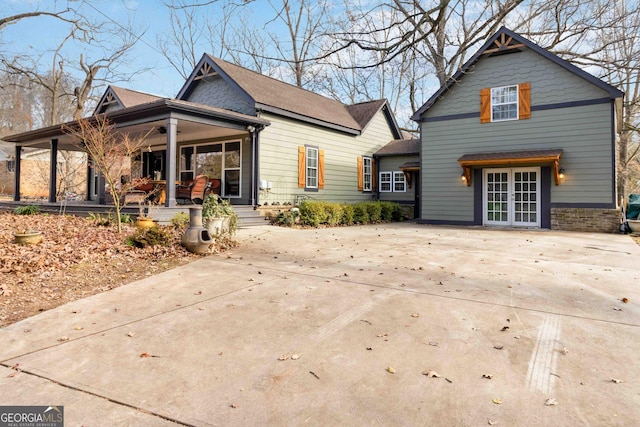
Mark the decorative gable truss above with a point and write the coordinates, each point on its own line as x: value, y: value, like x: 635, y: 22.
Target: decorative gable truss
x: 206, y: 70
x: 108, y: 99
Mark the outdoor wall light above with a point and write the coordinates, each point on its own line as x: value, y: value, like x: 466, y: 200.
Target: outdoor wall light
x: 561, y: 174
x: 463, y: 178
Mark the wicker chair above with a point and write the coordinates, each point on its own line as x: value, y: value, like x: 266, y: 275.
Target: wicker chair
x: 193, y: 191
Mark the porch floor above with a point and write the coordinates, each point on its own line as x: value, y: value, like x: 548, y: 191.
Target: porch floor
x: 247, y: 215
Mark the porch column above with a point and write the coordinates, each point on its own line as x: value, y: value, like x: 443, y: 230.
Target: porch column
x: 53, y: 171
x: 16, y: 171
x: 101, y: 192
x: 172, y: 161
x: 253, y: 183
x: 88, y: 178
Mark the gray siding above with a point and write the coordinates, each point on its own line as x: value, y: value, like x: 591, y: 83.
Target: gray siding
x: 550, y: 83
x: 279, y: 158
x: 584, y: 133
x: 392, y: 164
x: 215, y: 92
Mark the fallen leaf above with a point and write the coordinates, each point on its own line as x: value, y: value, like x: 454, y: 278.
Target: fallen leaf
x: 497, y: 401
x: 564, y: 350
x: 487, y: 376
x: 492, y: 423
x: 284, y: 357
x: 551, y: 402
x: 498, y: 347
x: 504, y: 328
x: 369, y: 348
x: 415, y: 315
x: 625, y: 300
x: 391, y: 370
x: 62, y: 339
x: 234, y: 405
x: 617, y: 309
x: 432, y: 343
x: 431, y: 374
x: 295, y: 356
x: 145, y: 354
x: 130, y: 334
x: 615, y: 380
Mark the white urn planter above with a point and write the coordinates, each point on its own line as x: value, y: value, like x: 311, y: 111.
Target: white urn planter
x: 634, y: 225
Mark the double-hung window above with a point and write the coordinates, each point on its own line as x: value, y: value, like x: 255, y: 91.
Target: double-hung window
x: 393, y: 182
x: 504, y: 103
x: 385, y: 182
x: 311, y: 167
x: 366, y: 173
x: 399, y: 184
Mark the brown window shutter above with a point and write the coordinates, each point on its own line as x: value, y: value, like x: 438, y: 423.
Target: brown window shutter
x: 320, y: 168
x: 373, y: 175
x: 524, y: 101
x: 301, y: 167
x: 360, y: 176
x: 485, y: 105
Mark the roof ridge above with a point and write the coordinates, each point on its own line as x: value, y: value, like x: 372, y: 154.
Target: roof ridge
x: 214, y: 58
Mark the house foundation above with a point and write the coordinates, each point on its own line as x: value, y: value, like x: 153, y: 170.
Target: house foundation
x: 586, y: 219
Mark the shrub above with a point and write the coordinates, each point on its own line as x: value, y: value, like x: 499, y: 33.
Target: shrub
x: 374, y: 209
x: 386, y: 211
x: 397, y: 214
x: 287, y: 218
x: 312, y: 213
x: 27, y: 210
x: 180, y: 220
x: 150, y: 236
x: 333, y: 213
x: 347, y: 214
x: 360, y: 214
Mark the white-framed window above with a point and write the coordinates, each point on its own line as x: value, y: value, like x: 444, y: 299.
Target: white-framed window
x: 399, y: 183
x: 311, y: 167
x: 393, y: 182
x: 385, y: 182
x: 367, y: 169
x: 504, y: 103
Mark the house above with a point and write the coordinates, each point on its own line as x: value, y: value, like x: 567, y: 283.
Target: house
x: 398, y: 166
x: 264, y: 140
x: 520, y: 138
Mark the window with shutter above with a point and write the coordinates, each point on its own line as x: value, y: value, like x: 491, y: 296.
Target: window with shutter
x: 505, y: 103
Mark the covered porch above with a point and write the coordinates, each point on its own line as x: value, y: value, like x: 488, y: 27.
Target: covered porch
x: 184, y: 140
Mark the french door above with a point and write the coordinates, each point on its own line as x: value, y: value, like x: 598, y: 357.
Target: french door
x: 511, y: 197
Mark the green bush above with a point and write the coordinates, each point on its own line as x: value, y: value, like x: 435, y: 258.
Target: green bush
x: 374, y: 209
x: 287, y: 218
x: 180, y: 220
x: 312, y: 213
x: 360, y: 214
x: 27, y: 210
x: 347, y: 214
x: 333, y: 213
x: 315, y: 213
x: 151, y: 236
x: 386, y: 211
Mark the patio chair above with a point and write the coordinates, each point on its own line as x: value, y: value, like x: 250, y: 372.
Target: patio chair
x: 193, y: 190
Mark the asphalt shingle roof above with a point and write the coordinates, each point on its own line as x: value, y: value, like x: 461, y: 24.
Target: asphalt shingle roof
x: 399, y: 147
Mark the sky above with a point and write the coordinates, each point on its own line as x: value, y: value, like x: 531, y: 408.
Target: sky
x: 35, y: 34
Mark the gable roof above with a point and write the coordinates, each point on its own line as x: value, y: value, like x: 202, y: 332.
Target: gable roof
x: 364, y: 112
x: 125, y: 98
x: 518, y: 40
x: 400, y: 147
x: 271, y: 95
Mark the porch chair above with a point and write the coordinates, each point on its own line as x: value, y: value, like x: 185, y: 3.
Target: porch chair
x: 193, y: 190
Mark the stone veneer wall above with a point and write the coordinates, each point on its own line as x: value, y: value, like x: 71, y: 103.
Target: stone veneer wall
x: 586, y: 219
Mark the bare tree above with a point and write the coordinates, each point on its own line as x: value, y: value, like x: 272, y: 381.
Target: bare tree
x: 111, y: 153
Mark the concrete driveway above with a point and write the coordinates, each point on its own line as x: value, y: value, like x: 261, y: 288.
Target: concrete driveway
x: 507, y: 319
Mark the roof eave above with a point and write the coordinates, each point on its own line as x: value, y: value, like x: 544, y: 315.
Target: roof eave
x: 296, y: 116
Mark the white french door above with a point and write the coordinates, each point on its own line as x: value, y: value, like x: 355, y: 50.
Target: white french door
x: 511, y: 197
